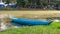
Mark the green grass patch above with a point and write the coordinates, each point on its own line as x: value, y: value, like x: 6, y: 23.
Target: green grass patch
x: 25, y: 9
x: 55, y: 24
x: 37, y: 29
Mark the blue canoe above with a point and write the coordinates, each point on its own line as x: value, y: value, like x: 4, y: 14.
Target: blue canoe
x: 28, y: 21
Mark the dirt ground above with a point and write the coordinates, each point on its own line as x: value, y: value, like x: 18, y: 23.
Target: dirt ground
x: 33, y: 14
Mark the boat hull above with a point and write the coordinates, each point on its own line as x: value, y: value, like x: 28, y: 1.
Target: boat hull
x: 27, y: 21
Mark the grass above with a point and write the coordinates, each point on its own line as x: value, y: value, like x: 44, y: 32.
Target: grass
x: 32, y: 14
x: 53, y: 28
x: 55, y: 24
x: 24, y: 9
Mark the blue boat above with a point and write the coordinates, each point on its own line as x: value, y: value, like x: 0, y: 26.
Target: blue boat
x: 28, y: 21
x: 1, y: 4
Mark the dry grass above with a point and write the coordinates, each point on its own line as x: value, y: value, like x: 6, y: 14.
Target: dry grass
x: 33, y: 14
